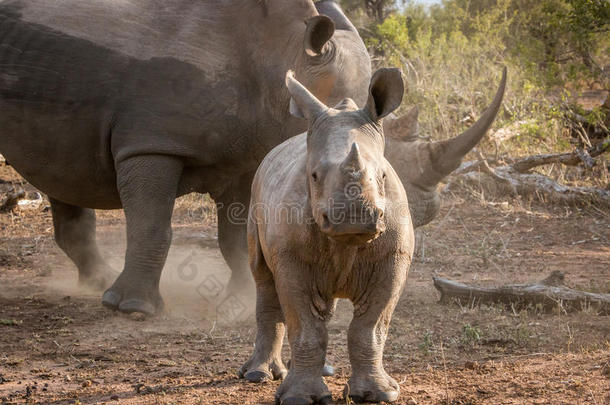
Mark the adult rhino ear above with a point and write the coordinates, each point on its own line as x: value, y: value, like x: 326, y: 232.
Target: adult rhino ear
x: 319, y: 31
x: 303, y: 104
x: 403, y: 128
x: 385, y: 93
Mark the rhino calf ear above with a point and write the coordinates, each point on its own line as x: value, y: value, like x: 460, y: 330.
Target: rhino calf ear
x: 295, y: 111
x: 385, y: 93
x: 302, y: 103
x: 319, y: 31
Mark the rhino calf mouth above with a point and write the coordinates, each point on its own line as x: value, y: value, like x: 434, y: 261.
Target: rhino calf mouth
x: 354, y: 231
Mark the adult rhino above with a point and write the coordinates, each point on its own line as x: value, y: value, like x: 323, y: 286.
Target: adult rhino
x: 111, y: 104
x: 421, y: 165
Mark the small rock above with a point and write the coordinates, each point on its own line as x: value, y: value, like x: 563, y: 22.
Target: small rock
x: 114, y: 397
x: 411, y: 401
x: 471, y: 365
x: 86, y: 383
x: 137, y: 316
x: 68, y: 378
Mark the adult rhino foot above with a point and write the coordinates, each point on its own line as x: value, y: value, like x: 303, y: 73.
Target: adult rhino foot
x: 99, y: 279
x: 303, y: 390
x: 128, y: 300
x: 257, y: 371
x: 378, y: 387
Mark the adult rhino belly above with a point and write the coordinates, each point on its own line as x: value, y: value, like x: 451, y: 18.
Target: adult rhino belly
x: 72, y: 108
x: 56, y: 105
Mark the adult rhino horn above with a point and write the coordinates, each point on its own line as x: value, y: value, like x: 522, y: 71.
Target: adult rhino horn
x: 331, y: 9
x: 353, y: 161
x: 446, y: 156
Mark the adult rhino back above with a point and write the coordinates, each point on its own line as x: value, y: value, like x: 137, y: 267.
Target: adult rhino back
x: 73, y: 106
x: 131, y: 103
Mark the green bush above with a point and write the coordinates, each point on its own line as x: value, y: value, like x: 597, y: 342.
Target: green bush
x: 452, y: 55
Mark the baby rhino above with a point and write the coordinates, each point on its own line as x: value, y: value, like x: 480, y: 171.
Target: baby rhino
x: 329, y: 219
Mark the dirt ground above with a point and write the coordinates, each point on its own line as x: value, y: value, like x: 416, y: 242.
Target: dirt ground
x: 58, y: 345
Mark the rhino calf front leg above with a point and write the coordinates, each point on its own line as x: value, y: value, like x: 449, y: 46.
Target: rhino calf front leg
x: 308, y: 339
x: 147, y: 186
x: 74, y: 229
x: 366, y: 339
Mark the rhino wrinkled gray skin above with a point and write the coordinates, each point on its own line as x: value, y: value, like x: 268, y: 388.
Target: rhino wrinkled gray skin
x: 128, y: 104
x: 422, y: 165
x: 329, y: 219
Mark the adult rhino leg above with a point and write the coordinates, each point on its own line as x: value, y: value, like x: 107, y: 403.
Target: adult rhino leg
x: 366, y: 339
x: 147, y: 187
x: 307, y: 335
x: 266, y: 361
x: 75, y: 235
x: 232, y: 235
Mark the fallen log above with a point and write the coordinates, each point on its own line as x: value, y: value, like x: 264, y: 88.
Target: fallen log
x: 504, y: 180
x: 550, y: 294
x: 515, y: 178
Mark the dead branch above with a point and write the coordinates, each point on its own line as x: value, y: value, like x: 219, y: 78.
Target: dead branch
x: 11, y: 200
x: 570, y: 158
x: 507, y: 181
x: 587, y: 157
x: 514, y: 177
x: 549, y: 294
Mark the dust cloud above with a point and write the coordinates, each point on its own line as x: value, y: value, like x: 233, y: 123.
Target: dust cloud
x: 192, y: 283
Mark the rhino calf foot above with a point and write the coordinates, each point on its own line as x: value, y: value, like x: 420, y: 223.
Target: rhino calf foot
x: 327, y: 400
x: 129, y: 300
x: 257, y: 371
x: 373, y: 388
x: 303, y: 390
